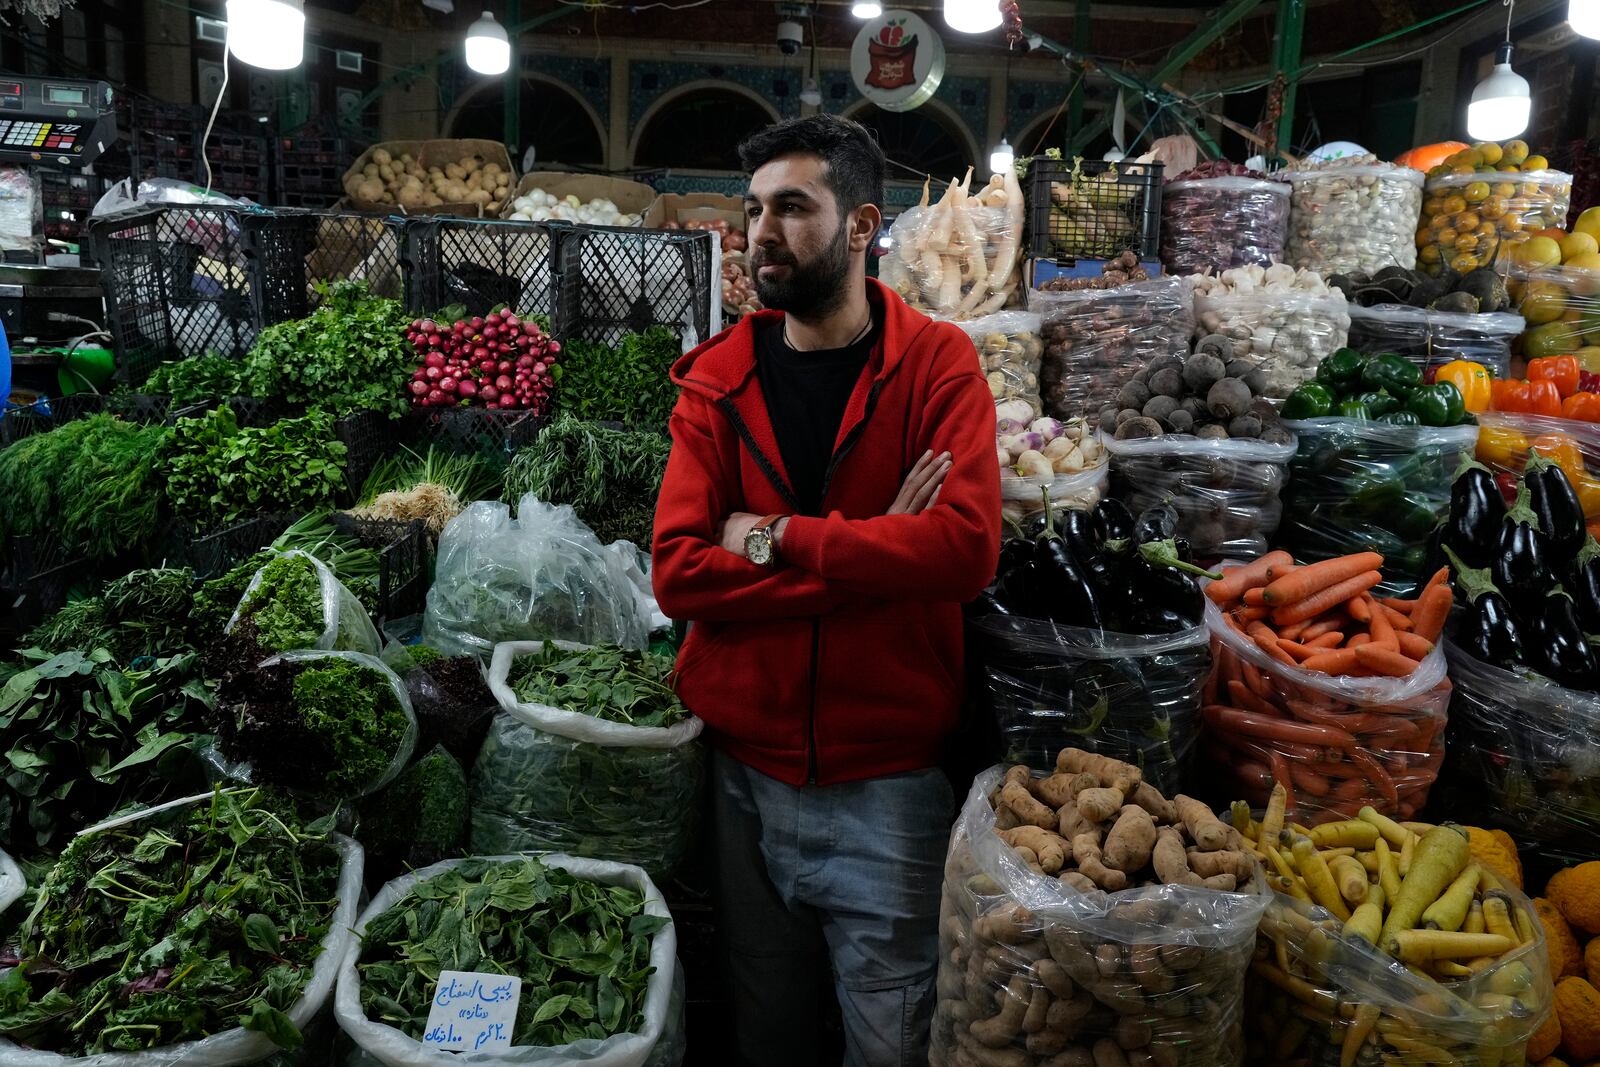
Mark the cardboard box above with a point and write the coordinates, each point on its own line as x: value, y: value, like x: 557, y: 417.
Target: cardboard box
x: 432, y: 154
x: 631, y: 198
x: 683, y: 208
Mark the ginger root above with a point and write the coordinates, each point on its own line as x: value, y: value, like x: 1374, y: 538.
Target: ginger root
x: 1128, y: 845
x: 1087, y: 855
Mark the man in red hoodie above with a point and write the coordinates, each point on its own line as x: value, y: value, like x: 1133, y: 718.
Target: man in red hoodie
x: 831, y: 500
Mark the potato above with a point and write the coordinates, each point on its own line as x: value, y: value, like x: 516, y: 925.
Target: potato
x: 454, y: 172
x: 370, y: 170
x: 431, y: 200
x: 380, y: 156
x: 477, y: 196
x: 405, y: 157
x: 370, y: 190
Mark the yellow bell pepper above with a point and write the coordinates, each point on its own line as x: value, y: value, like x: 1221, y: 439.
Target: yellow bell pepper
x: 1588, y: 489
x: 1472, y: 381
x: 1563, y: 450
x: 1501, y: 448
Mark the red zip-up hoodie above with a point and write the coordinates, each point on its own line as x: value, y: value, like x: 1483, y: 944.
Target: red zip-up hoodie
x: 845, y: 661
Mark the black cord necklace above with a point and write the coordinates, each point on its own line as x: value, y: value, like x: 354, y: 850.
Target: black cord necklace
x: 853, y: 341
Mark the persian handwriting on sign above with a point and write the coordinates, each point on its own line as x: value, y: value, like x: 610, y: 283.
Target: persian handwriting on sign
x: 472, y: 1010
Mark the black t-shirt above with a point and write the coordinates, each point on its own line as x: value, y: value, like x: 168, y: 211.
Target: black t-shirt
x: 807, y: 393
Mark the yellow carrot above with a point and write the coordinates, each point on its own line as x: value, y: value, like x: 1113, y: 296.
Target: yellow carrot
x: 1440, y: 858
x: 1421, y: 946
x: 1319, y: 881
x: 1352, y: 832
x: 1272, y: 821
x: 1392, y: 831
x: 1388, y: 872
x: 1450, y: 910
x: 1350, y: 877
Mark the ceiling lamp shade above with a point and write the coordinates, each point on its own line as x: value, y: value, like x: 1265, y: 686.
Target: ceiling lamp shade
x: 866, y: 9
x: 1501, y: 102
x: 1584, y: 17
x: 811, y: 94
x: 270, y: 34
x: 488, y: 47
x: 972, y: 16
x: 1002, y: 158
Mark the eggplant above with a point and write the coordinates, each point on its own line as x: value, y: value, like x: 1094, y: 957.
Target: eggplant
x: 1585, y: 585
x: 1116, y: 521
x: 1488, y: 627
x: 1554, y: 500
x: 1161, y: 581
x: 987, y: 603
x: 1556, y: 646
x: 1064, y: 590
x: 1017, y: 592
x: 1016, y: 552
x: 1477, y: 511
x: 1522, y: 557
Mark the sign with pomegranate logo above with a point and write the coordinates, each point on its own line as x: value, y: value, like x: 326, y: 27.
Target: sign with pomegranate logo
x: 897, y: 60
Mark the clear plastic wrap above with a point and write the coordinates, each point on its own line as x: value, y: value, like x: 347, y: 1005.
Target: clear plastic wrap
x: 1527, y: 754
x: 21, y: 211
x: 1468, y: 220
x: 1135, y: 698
x: 957, y: 263
x: 1384, y: 737
x: 1356, y: 485
x: 1034, y: 973
x: 1226, y: 492
x: 1359, y: 217
x: 1095, y: 340
x: 1561, y: 309
x: 1432, y: 338
x: 1218, y: 223
x: 1318, y: 997
x: 230, y: 1048
x: 1288, y: 334
x: 1009, y: 347
x: 543, y: 575
x: 1022, y: 499
x: 561, y: 781
x: 346, y: 626
x: 663, y: 1011
x: 12, y: 882
x: 1505, y: 440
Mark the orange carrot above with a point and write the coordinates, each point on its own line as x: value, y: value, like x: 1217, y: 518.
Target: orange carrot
x: 1267, y: 641
x: 1414, y: 645
x: 1251, y: 614
x: 1327, y: 625
x: 1308, y: 581
x: 1398, y: 619
x: 1255, y: 680
x: 1327, y: 597
x: 1357, y: 640
x: 1253, y: 597
x: 1242, y: 697
x: 1339, y: 661
x: 1433, y: 607
x: 1385, y: 661
x: 1296, y: 649
x: 1236, y: 580
x: 1403, y: 606
x: 1440, y: 577
x: 1294, y: 632
x: 1359, y: 611
x: 1331, y: 639
x: 1382, y: 631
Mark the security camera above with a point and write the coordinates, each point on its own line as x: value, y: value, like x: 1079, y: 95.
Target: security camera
x: 790, y: 36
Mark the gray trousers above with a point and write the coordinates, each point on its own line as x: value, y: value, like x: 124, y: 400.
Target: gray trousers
x: 843, y: 878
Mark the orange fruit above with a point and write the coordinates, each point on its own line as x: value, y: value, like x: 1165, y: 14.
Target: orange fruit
x: 1505, y: 188
x: 1489, y: 151
x: 1493, y: 207
x: 1467, y: 242
x: 1535, y: 163
x: 1467, y: 220
x: 1475, y: 191
x: 1447, y: 236
x: 1429, y: 253
x: 1454, y: 205
x: 1463, y: 264
x: 1514, y: 152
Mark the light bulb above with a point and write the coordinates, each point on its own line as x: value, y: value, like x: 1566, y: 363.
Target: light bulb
x: 1114, y: 155
x: 972, y: 16
x: 1002, y: 158
x: 866, y: 9
x: 886, y: 242
x: 488, y: 47
x: 1500, y: 103
x: 270, y: 34
x: 811, y: 95
x: 1584, y: 17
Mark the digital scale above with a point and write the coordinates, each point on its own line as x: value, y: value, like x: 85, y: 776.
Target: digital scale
x: 55, y: 121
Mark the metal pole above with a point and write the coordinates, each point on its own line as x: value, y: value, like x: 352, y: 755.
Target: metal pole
x: 512, y: 93
x: 1286, y: 61
x: 1080, y: 43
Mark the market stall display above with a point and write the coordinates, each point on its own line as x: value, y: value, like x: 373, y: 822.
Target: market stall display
x: 1285, y: 320
x: 1221, y: 215
x: 422, y: 177
x: 1093, y: 209
x: 497, y: 360
x: 1482, y: 199
x: 1561, y: 306
x: 959, y: 258
x: 1353, y: 213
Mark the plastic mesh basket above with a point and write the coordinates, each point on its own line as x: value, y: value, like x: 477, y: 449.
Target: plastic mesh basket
x: 1088, y: 209
x: 487, y: 432
x: 140, y: 407
x: 219, y: 550
x: 402, y: 560
x: 481, y: 263
x: 367, y: 436
x: 617, y: 281
x: 19, y: 422
x: 248, y: 410
x: 296, y: 251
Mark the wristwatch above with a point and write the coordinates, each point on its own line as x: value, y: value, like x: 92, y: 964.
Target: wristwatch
x: 758, y: 546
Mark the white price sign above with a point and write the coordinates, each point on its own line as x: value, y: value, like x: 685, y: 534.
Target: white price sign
x: 472, y: 1011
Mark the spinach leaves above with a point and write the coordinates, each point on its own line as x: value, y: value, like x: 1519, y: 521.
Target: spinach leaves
x: 581, y: 948
x: 611, y: 477
x: 218, y: 473
x: 143, y: 613
x: 167, y: 930
x: 631, y: 383
x: 203, y: 378
x: 616, y: 684
x: 351, y: 354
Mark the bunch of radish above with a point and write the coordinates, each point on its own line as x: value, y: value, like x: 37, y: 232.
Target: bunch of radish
x: 493, y: 361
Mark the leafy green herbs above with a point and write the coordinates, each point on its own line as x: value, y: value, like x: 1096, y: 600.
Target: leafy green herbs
x: 352, y: 711
x: 468, y: 477
x: 630, y: 383
x: 83, y: 737
x: 615, y: 684
x: 416, y: 820
x: 143, y: 613
x: 171, y: 929
x: 203, y: 378
x: 581, y: 948
x: 348, y: 355
x: 217, y: 473
x: 287, y: 605
x: 610, y: 477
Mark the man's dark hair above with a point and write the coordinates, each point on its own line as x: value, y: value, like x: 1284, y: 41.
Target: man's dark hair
x: 855, y: 162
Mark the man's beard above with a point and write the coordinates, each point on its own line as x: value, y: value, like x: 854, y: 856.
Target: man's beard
x: 810, y: 291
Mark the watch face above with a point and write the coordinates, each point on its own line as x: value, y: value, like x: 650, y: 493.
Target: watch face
x: 758, y: 547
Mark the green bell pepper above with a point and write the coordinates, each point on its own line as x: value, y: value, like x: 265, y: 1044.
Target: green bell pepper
x: 1396, y: 375
x: 1353, y: 408
x: 1379, y: 402
x: 1375, y: 493
x: 1400, y: 418
x: 1439, y: 404
x: 1341, y: 370
x: 1311, y: 400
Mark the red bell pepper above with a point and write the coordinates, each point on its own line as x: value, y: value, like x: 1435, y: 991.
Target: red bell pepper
x: 1561, y: 370
x: 1528, y: 398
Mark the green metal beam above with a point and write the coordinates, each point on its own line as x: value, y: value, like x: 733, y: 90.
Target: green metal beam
x: 1286, y: 61
x: 511, y: 94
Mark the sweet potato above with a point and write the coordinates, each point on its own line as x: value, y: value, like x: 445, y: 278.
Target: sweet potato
x: 1130, y: 841
x: 1025, y: 805
x: 1108, y: 770
x: 1001, y: 1029
x: 1091, y: 862
x: 1204, y: 827
x: 1100, y: 804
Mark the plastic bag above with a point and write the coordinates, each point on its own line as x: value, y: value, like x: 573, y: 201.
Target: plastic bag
x: 1226, y: 492
x: 1132, y: 697
x: 1009, y: 347
x: 12, y: 882
x: 1468, y: 220
x: 1356, y: 485
x: 346, y: 626
x: 1095, y: 340
x: 1353, y: 217
x: 21, y: 211
x: 453, y: 705
x: 229, y: 1048
x: 562, y: 781
x: 1287, y: 334
x: 1526, y: 753
x: 390, y: 1047
x: 1432, y: 338
x: 1505, y: 440
x: 998, y: 920
x: 924, y: 279
x: 1561, y: 309
x: 1022, y: 499
x: 1399, y: 731
x: 543, y: 575
x: 1218, y: 223
x: 1311, y: 991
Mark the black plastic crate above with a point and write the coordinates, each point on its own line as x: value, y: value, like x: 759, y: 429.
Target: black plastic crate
x: 488, y: 432
x: 1076, y: 212
x: 29, y: 555
x: 402, y: 547
x: 140, y: 407
x: 616, y: 281
x: 65, y: 409
x: 20, y: 422
x: 368, y: 436
x: 247, y: 410
x: 297, y: 250
x: 217, y: 551
x: 28, y: 602
x: 482, y: 263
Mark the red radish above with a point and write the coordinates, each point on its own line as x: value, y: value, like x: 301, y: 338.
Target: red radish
x: 447, y: 385
x: 490, y: 333
x: 511, y: 321
x: 504, y: 366
x: 467, y: 388
x: 489, y: 393
x: 433, y: 373
x: 419, y: 388
x: 433, y: 359
x: 435, y: 397
x: 503, y: 382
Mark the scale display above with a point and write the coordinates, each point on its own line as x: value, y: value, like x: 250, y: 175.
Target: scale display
x: 55, y: 121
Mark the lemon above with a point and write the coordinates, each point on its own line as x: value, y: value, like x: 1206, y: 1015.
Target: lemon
x: 1539, y: 252
x: 1535, y: 163
x: 1578, y: 244
x: 1514, y: 152
x: 1490, y: 151
x: 1589, y: 223
x: 1476, y: 191
x: 1542, y: 302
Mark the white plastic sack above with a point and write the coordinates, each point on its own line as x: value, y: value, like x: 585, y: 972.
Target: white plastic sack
x: 541, y: 576
x: 1022, y: 498
x: 229, y: 1048
x: 394, y: 1049
x: 934, y: 255
x: 1431, y: 338
x: 1009, y: 346
x: 1353, y: 217
x: 636, y: 564
x: 1219, y: 223
x: 12, y: 883
x: 346, y: 626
